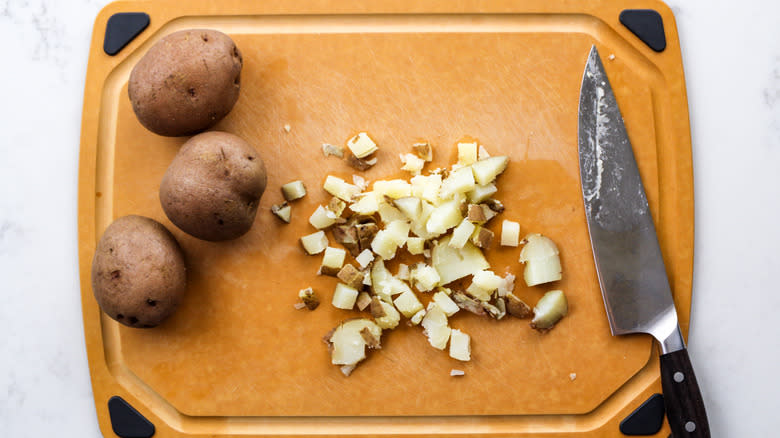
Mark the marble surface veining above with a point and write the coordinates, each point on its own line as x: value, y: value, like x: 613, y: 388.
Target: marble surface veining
x: 731, y: 53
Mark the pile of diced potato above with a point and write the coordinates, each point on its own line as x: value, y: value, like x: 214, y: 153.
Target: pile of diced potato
x: 440, y: 215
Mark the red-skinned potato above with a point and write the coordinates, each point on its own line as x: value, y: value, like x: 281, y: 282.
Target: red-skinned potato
x: 213, y: 186
x: 186, y: 83
x: 138, y: 272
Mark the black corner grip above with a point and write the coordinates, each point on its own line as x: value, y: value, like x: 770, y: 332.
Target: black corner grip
x: 647, y: 419
x: 647, y: 25
x: 126, y: 421
x: 122, y: 28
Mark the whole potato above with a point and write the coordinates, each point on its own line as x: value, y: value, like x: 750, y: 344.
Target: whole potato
x: 186, y: 83
x: 138, y: 272
x: 213, y: 186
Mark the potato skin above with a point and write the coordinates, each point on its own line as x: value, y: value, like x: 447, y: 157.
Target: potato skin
x: 138, y: 272
x: 186, y: 83
x: 213, y: 186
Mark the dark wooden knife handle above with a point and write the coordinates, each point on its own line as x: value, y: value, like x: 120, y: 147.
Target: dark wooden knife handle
x: 684, y: 405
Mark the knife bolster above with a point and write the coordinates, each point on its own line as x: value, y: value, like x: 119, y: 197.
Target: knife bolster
x: 673, y: 342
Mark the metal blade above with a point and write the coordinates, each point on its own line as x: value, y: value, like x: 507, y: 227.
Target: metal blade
x: 625, y: 247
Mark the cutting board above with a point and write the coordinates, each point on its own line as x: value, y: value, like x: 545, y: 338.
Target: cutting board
x: 238, y: 359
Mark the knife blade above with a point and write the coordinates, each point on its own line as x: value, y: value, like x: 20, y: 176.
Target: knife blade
x: 630, y: 268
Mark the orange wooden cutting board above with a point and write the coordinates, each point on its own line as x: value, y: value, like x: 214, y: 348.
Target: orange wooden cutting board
x: 238, y: 360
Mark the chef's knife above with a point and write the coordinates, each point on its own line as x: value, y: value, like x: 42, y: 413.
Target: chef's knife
x: 625, y: 247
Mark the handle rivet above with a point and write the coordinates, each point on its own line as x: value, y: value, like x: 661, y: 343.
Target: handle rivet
x: 690, y: 426
x: 679, y: 377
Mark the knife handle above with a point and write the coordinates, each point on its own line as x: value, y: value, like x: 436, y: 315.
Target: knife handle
x: 684, y: 405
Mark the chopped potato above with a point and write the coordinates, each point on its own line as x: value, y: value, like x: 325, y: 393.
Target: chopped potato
x: 322, y: 218
x: 408, y: 304
x: 542, y: 262
x: 487, y: 170
x: 344, y: 297
x: 510, y: 233
x: 549, y: 310
x: 445, y: 303
x: 435, y: 326
x: 362, y: 145
x: 340, y: 188
x: 467, y: 153
x: 315, y: 243
x: 293, y: 190
x: 282, y: 211
x: 332, y: 261
x: 460, y: 345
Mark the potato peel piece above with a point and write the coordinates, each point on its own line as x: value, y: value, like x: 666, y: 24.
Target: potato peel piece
x: 351, y: 276
x: 517, y: 307
x: 308, y: 298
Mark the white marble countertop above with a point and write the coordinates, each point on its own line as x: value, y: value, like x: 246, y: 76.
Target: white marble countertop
x: 731, y: 54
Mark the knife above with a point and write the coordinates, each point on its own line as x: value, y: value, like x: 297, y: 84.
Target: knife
x: 628, y: 259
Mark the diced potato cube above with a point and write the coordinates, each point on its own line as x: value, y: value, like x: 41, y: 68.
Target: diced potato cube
x: 384, y: 245
x: 425, y: 277
x: 282, y: 211
x: 435, y: 327
x: 412, y: 163
x: 332, y: 261
x: 461, y: 233
x: 487, y: 170
x: 445, y: 303
x: 399, y: 231
x: 322, y: 218
x: 388, y: 213
x: 427, y: 187
x: 347, y: 342
x: 467, y: 153
x: 452, y: 263
x: 418, y: 317
x: 480, y: 193
x: 363, y: 301
x: 315, y: 243
x: 478, y: 293
x: 459, y: 181
x: 364, y: 258
x: 293, y: 190
x: 487, y: 280
x: 410, y: 206
x: 540, y: 271
x: 510, y: 233
x: 444, y: 217
x: 460, y: 345
x: 542, y: 262
x: 395, y: 188
x: 385, y: 315
x: 340, y: 188
x: 415, y: 245
x: 362, y: 145
x: 368, y: 204
x: 344, y: 297
x: 408, y: 304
